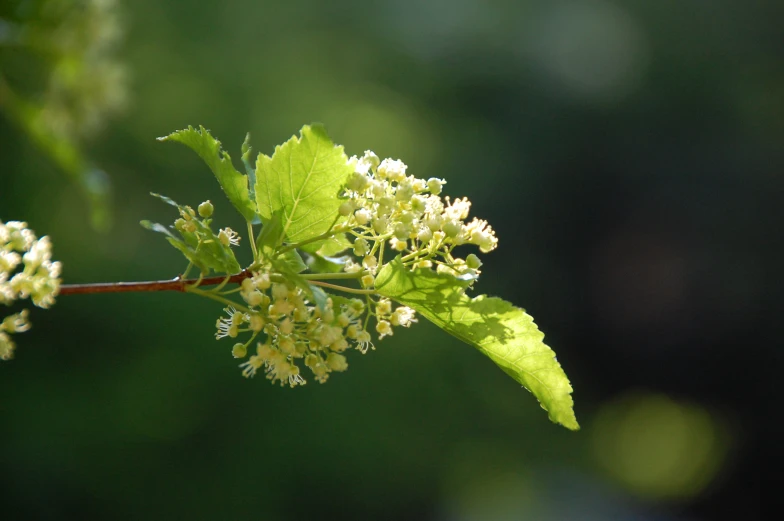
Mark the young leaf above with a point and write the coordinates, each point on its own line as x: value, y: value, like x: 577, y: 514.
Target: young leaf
x: 234, y: 184
x: 501, y: 331
x: 320, y: 264
x: 270, y: 236
x: 328, y: 247
x: 294, y: 261
x: 303, y: 178
x: 246, y: 161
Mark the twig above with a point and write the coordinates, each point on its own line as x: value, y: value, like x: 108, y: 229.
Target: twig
x: 177, y: 284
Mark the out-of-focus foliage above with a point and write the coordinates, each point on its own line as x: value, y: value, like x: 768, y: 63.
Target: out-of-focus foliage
x: 60, y: 80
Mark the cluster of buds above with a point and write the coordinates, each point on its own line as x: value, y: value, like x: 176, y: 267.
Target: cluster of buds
x: 386, y: 206
x: 189, y: 223
x: 293, y: 329
x: 38, y: 278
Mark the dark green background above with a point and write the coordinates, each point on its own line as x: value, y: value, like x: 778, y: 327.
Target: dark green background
x: 630, y: 156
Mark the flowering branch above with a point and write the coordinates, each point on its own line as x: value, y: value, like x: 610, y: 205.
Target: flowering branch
x: 325, y: 218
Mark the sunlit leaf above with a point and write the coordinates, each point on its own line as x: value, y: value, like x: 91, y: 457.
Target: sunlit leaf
x: 270, y: 236
x: 329, y: 247
x: 303, y: 178
x: 234, y: 184
x: 503, y: 332
x: 319, y: 264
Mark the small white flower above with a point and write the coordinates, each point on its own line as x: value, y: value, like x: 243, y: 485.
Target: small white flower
x: 384, y: 328
x: 364, y: 342
x: 394, y: 169
x: 403, y: 316
x: 7, y: 347
x: 458, y: 209
x: 229, y: 237
x: 16, y: 323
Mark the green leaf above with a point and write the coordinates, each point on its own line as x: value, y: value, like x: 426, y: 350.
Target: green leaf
x: 503, y: 332
x: 271, y: 234
x: 319, y: 297
x: 328, y: 247
x: 319, y: 264
x: 303, y: 178
x: 234, y: 184
x: 294, y: 261
x: 246, y: 161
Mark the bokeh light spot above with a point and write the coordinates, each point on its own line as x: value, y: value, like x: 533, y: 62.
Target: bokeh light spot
x: 658, y: 448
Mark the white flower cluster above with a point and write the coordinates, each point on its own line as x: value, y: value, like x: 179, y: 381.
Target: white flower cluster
x: 38, y: 279
x: 387, y: 206
x: 292, y: 328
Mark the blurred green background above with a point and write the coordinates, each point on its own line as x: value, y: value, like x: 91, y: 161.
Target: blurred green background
x: 628, y: 153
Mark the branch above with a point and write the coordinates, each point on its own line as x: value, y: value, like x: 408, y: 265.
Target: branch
x: 176, y: 284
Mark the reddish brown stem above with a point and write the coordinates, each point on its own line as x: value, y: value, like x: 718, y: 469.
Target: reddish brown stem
x: 177, y: 284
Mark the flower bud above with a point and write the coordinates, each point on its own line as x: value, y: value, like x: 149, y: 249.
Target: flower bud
x: 404, y: 193
x: 380, y: 225
x: 253, y: 298
x: 362, y: 216
x: 287, y: 345
x: 265, y: 351
x: 452, y: 228
x: 401, y: 231
x: 425, y: 235
x: 256, y: 322
x: 371, y: 159
x: 352, y: 331
x: 339, y: 345
x: 387, y: 203
x: 473, y: 262
x: 262, y: 281
x: 346, y: 208
x: 434, y: 185
x: 337, y: 362
x: 418, y: 204
x: 361, y: 247
x: 378, y: 189
x: 239, y: 351
x: 206, y: 209
x: 287, y: 327
x: 434, y: 222
x: 358, y: 182
x: 279, y: 291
